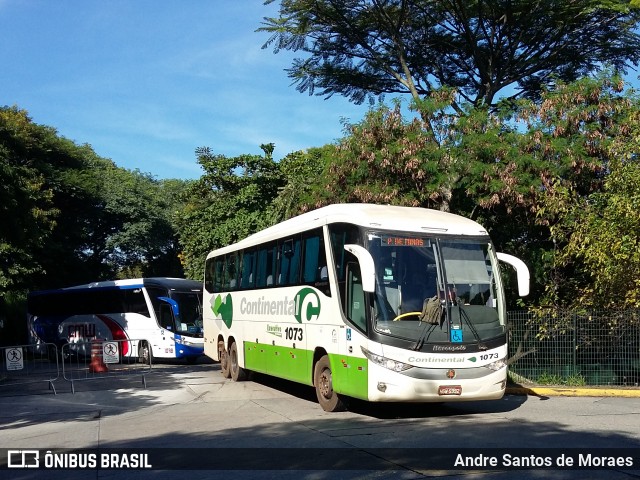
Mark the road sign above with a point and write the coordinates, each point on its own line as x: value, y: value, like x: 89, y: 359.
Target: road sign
x: 14, y: 359
x: 110, y: 352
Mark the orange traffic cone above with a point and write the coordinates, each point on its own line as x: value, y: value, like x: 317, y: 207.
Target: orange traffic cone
x: 97, y: 364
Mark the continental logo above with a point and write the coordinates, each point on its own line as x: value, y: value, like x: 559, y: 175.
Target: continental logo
x: 304, y: 306
x: 223, y: 308
x: 441, y: 359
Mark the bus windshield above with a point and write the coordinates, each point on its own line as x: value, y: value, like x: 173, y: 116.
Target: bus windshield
x: 456, y: 276
x: 189, y: 318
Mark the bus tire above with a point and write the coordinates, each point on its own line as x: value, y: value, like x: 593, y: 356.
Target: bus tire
x: 224, y: 360
x: 145, y: 354
x: 238, y: 374
x: 329, y: 400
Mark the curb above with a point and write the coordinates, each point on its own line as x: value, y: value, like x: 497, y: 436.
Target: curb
x: 573, y: 392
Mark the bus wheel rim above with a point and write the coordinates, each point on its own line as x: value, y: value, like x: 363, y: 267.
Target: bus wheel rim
x: 326, y: 389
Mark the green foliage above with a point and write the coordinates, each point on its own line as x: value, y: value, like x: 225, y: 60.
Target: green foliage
x: 601, y: 231
x: 529, y: 172
x: 71, y: 217
x: 229, y: 202
x: 143, y: 236
x: 554, y: 379
x: 27, y: 211
x: 593, y: 126
x: 366, y: 48
x: 554, y: 182
x: 302, y: 171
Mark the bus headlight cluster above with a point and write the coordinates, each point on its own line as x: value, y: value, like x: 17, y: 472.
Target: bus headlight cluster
x: 497, y: 365
x: 385, y: 362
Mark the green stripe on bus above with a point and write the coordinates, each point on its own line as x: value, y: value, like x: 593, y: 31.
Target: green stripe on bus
x: 289, y: 363
x: 350, y: 374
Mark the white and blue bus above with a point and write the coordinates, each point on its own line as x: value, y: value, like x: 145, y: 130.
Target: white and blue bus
x: 162, y: 315
x: 381, y: 303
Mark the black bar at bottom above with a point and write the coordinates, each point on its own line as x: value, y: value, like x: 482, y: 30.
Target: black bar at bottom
x: 415, y: 459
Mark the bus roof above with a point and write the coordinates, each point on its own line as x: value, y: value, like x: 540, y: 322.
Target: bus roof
x: 129, y: 283
x: 383, y: 217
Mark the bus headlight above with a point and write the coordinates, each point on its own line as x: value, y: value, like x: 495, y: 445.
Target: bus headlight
x: 497, y: 365
x: 385, y: 362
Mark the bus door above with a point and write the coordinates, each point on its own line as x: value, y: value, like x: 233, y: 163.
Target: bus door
x: 352, y: 379
x: 168, y: 318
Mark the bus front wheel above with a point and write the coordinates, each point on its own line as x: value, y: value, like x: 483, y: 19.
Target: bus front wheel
x: 238, y: 373
x: 224, y: 360
x: 145, y: 355
x: 323, y: 381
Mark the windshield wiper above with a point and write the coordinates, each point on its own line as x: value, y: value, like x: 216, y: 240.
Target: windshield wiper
x: 427, y: 329
x: 424, y: 336
x: 463, y: 314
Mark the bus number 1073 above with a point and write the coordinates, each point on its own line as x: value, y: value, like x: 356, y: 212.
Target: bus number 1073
x: 292, y: 333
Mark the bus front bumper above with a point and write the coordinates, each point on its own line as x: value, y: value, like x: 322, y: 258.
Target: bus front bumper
x: 389, y: 386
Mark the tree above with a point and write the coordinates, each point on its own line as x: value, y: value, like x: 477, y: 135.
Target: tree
x: 508, y: 169
x: 598, y: 233
x: 27, y: 212
x: 366, y: 48
x: 229, y: 202
x: 143, y: 241
x: 70, y: 216
x: 302, y: 172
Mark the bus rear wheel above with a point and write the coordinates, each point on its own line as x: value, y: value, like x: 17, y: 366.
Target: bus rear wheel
x: 238, y: 374
x: 224, y: 360
x: 329, y: 400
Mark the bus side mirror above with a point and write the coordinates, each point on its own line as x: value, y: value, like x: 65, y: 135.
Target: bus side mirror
x: 367, y: 268
x: 522, y: 272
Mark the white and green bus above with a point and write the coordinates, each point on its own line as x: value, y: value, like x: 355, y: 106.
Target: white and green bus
x: 381, y: 303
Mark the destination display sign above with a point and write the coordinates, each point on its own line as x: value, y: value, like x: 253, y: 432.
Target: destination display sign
x: 403, y: 241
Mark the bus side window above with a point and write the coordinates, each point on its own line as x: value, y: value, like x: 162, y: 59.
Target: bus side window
x: 354, y: 296
x: 154, y: 293
x: 135, y: 302
x: 266, y: 266
x: 341, y: 234
x: 218, y: 274
x: 315, y: 260
x: 209, y: 274
x: 247, y: 279
x: 231, y: 272
x: 166, y: 317
x: 289, y: 262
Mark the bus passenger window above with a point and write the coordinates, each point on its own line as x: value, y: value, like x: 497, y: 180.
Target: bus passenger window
x: 289, y: 262
x: 209, y: 274
x: 315, y: 260
x: 218, y: 274
x: 247, y: 278
x: 231, y: 272
x: 266, y: 266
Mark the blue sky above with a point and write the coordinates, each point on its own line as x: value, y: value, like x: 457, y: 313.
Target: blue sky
x: 146, y: 82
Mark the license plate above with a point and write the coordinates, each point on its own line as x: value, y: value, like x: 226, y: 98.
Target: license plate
x: 450, y: 390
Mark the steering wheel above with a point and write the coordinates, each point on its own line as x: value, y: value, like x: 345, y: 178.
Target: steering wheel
x: 406, y: 315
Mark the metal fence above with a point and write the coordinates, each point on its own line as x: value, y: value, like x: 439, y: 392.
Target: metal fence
x: 23, y: 365
x: 102, y: 359
x: 31, y: 367
x: 575, y: 349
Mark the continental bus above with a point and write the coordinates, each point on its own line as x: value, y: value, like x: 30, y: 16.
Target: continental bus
x: 162, y: 315
x: 374, y: 302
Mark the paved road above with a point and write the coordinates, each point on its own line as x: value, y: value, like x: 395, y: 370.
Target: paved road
x: 193, y: 407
